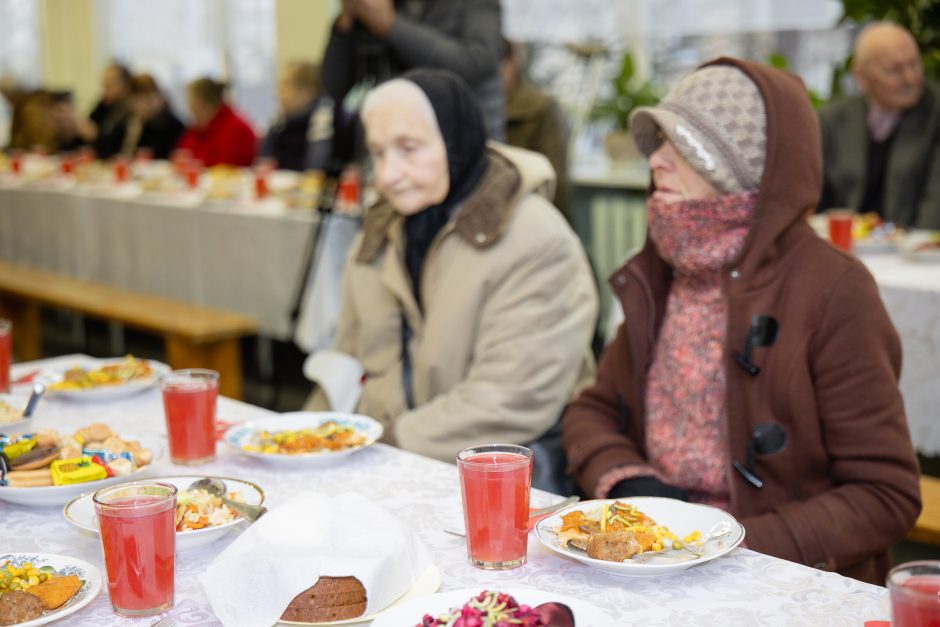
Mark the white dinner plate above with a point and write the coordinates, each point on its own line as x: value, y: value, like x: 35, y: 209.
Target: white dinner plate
x: 427, y: 583
x: 680, y: 517
x: 63, y: 565
x: 50, y: 376
x: 62, y: 494
x: 18, y: 403
x: 80, y: 511
x: 411, y: 612
x: 240, y: 435
x: 916, y: 246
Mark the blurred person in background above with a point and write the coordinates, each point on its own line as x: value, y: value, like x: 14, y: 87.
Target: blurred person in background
x: 218, y: 135
x: 535, y: 121
x: 467, y: 299
x: 105, y: 127
x: 300, y: 139
x: 756, y: 369
x: 152, y: 124
x: 66, y: 122
x: 373, y: 40
x: 31, y: 125
x: 881, y: 149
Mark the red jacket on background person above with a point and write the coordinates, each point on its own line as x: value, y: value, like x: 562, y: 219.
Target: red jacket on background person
x: 226, y: 139
x: 845, y: 487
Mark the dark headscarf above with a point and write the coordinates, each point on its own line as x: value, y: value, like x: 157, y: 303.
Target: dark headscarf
x: 461, y: 123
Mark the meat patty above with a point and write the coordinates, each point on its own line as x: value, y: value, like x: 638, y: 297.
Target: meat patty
x: 18, y: 607
x: 613, y: 546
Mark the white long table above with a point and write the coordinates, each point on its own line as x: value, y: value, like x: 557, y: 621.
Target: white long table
x: 911, y: 294
x: 741, y: 588
x: 245, y: 257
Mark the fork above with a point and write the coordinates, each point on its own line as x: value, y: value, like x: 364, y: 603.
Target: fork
x: 166, y: 621
x: 534, y: 515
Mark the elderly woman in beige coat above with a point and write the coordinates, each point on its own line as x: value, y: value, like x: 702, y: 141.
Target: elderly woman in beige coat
x: 467, y: 299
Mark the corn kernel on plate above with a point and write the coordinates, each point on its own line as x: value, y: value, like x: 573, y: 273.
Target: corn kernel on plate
x: 17, y: 568
x: 676, y: 521
x: 273, y: 439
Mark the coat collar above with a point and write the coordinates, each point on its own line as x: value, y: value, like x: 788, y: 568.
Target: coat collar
x: 480, y: 220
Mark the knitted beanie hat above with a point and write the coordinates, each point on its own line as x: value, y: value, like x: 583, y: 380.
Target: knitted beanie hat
x: 715, y: 118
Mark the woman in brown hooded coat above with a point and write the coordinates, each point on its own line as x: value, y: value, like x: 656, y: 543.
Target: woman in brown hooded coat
x: 756, y: 369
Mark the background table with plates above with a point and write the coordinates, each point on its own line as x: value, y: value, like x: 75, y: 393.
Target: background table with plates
x: 742, y: 588
x: 240, y: 256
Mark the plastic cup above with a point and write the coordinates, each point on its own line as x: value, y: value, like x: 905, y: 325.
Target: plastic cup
x: 840, y: 228
x: 16, y: 162
x: 495, y: 481
x: 121, y: 171
x: 138, y: 538
x: 6, y: 353
x: 67, y: 164
x: 189, y: 400
x: 261, y: 183
x: 915, y: 594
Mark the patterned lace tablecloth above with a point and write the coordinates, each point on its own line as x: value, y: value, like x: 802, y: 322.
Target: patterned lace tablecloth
x: 742, y: 588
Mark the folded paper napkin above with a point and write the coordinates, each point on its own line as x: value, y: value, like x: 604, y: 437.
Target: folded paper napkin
x: 253, y: 580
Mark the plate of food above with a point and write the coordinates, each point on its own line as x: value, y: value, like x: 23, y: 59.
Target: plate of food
x: 515, y: 606
x: 921, y: 246
x: 51, y: 468
x: 11, y: 414
x: 873, y: 236
x: 341, y: 588
x: 640, y: 535
x: 304, y: 438
x: 93, y: 379
x: 38, y: 588
x: 201, y: 517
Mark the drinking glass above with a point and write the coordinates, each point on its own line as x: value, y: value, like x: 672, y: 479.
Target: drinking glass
x: 840, y: 228
x: 495, y: 481
x: 915, y: 594
x: 138, y: 538
x: 189, y: 400
x: 6, y: 353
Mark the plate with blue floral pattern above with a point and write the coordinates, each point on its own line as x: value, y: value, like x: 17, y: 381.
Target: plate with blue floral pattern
x: 61, y: 565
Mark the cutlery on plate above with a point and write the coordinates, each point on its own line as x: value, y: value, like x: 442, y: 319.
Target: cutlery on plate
x: 216, y: 487
x: 535, y: 515
x: 38, y: 390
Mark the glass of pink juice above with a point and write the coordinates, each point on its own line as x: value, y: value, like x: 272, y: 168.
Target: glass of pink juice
x: 915, y: 594
x: 138, y: 537
x: 495, y: 481
x: 189, y: 399
x: 6, y: 353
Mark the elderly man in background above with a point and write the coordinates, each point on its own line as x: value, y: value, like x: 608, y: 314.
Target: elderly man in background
x: 880, y: 149
x: 300, y: 139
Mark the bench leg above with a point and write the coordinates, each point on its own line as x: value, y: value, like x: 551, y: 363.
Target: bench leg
x: 224, y: 357
x: 27, y: 340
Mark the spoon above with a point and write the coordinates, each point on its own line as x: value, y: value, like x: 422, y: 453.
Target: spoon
x: 38, y: 390
x: 717, y: 538
x: 215, y: 487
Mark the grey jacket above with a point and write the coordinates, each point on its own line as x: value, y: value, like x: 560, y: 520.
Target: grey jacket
x: 912, y: 177
x: 462, y: 36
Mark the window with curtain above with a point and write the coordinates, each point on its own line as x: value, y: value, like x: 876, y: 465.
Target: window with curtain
x: 180, y: 40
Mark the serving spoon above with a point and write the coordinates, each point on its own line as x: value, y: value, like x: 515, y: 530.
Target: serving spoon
x: 216, y: 487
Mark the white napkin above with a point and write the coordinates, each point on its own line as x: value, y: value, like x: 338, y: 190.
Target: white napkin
x: 253, y: 580
x: 339, y: 376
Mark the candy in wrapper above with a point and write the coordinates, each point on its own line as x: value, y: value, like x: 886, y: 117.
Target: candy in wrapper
x: 121, y: 467
x: 77, y: 470
x: 19, y: 447
x: 107, y: 456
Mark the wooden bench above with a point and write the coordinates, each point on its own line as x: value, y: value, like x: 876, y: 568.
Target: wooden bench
x: 195, y: 337
x: 927, y: 528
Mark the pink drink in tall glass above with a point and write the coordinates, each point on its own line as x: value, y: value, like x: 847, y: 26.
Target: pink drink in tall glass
x: 915, y: 594
x: 189, y: 400
x: 6, y: 353
x: 138, y: 537
x: 495, y: 481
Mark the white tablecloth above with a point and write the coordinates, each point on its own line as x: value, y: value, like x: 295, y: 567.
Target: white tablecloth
x: 911, y: 294
x: 243, y: 257
x: 742, y: 588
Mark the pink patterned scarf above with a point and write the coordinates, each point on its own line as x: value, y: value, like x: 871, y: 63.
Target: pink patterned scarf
x: 685, y: 387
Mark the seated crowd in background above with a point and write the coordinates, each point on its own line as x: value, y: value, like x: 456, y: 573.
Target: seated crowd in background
x: 219, y: 134
x: 882, y: 148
